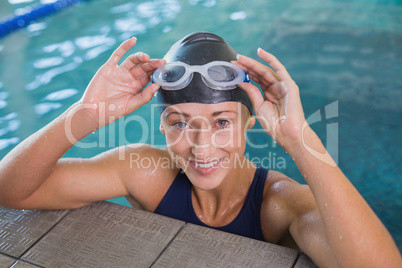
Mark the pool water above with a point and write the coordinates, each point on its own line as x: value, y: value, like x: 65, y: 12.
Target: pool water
x: 346, y: 57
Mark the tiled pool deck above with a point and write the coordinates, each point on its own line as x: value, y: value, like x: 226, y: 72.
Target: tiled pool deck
x: 104, y: 234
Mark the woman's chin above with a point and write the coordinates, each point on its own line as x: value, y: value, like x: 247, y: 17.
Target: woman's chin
x: 206, y: 182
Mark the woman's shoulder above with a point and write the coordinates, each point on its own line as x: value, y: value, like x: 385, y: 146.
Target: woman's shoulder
x: 284, y: 193
x: 147, y: 172
x: 279, y: 184
x: 284, y: 200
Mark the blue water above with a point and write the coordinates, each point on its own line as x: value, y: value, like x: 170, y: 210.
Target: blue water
x: 345, y: 54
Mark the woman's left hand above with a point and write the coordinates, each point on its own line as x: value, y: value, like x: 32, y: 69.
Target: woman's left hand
x: 279, y: 108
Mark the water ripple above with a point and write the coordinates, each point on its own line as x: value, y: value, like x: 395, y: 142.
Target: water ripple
x: 129, y: 25
x: 122, y: 8
x: 86, y: 42
x: 3, y: 104
x: 3, y: 95
x: 206, y: 3
x: 13, y: 2
x: 61, y: 94
x: 12, y: 125
x: 95, y: 52
x: 66, y: 48
x: 9, y: 123
x: 45, y: 78
x: 45, y: 107
x: 34, y: 27
x: 8, y: 117
x: 160, y: 9
x: 4, y: 143
x: 48, y: 62
x: 241, y: 15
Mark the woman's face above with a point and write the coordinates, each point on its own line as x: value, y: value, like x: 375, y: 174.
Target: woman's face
x: 206, y: 140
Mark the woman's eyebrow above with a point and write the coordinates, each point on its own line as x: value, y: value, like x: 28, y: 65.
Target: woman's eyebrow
x: 187, y: 115
x: 220, y: 112
x: 179, y: 113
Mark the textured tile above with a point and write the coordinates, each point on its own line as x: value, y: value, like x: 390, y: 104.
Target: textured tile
x: 105, y: 235
x: 303, y: 261
x: 20, y: 229
x: 22, y: 264
x: 5, y: 261
x: 197, y: 246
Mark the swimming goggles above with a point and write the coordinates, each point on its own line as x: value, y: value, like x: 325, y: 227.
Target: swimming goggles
x: 219, y: 75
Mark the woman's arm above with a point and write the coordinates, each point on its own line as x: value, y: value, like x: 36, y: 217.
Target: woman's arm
x: 355, y: 235
x: 35, y: 163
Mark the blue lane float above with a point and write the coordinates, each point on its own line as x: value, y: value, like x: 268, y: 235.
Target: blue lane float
x: 15, y: 22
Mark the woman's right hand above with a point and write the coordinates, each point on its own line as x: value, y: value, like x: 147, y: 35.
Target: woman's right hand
x: 117, y: 90
x: 278, y: 108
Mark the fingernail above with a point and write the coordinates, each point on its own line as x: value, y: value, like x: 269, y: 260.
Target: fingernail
x: 259, y: 49
x: 237, y: 56
x: 156, y: 87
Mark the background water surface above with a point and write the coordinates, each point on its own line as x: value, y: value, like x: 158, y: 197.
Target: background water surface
x: 345, y: 54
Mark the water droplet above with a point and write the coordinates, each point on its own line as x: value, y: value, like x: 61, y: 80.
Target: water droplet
x: 112, y: 107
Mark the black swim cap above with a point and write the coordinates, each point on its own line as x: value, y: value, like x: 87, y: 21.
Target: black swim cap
x: 200, y: 48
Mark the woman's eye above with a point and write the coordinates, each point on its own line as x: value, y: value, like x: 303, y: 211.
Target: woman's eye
x: 222, y: 123
x: 180, y: 125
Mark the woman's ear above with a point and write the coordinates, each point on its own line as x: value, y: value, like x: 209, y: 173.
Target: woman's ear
x: 161, y: 129
x: 250, y: 122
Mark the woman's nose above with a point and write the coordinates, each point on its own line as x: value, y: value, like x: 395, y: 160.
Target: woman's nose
x: 201, y: 144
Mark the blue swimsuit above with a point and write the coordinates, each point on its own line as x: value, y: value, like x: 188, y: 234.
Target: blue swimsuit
x: 177, y: 204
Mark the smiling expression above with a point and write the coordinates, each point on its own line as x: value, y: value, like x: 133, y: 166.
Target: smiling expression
x: 205, y: 140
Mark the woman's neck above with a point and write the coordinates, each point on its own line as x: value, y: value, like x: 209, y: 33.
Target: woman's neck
x: 220, y: 206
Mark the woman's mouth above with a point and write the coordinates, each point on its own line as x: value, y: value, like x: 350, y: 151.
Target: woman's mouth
x: 205, y: 168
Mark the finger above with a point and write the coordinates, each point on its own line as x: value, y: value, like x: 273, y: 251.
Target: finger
x: 148, y: 69
x: 140, y: 69
x: 135, y: 59
x: 121, y: 50
x: 275, y: 64
x: 258, y: 70
x: 255, y: 77
x: 254, y: 94
x: 152, y: 65
x: 142, y: 98
x: 143, y: 79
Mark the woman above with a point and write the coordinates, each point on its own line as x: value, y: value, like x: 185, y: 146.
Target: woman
x: 207, y: 180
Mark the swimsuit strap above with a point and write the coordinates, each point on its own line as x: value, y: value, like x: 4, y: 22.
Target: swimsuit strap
x: 177, y: 203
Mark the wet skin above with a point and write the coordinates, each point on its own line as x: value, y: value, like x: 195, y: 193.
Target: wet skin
x: 328, y: 219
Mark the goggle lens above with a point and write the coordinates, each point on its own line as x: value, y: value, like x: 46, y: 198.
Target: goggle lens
x: 217, y: 75
x: 171, y: 74
x: 221, y: 73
